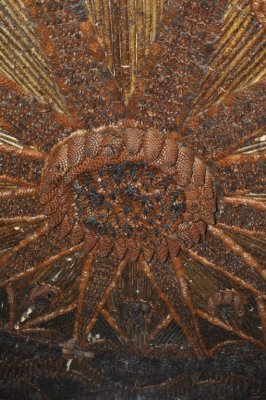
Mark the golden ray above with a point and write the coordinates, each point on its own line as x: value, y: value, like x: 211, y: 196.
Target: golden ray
x: 20, y: 57
x: 126, y: 30
x: 239, y: 59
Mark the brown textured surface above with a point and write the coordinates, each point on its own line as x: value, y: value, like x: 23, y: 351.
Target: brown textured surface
x: 132, y: 199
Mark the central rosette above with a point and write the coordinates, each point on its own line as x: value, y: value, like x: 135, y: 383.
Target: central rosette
x: 128, y: 189
x: 130, y: 200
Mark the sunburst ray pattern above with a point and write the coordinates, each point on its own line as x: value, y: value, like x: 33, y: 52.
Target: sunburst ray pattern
x: 132, y: 198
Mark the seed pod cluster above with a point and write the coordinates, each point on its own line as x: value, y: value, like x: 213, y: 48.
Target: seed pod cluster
x: 226, y: 298
x: 45, y: 296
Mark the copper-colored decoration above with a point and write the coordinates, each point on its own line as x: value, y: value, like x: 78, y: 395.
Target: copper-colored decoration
x: 132, y: 199
x: 226, y: 298
x: 259, y: 8
x: 44, y: 296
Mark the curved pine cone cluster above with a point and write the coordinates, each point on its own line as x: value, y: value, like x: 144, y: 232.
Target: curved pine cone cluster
x: 128, y: 189
x: 229, y: 298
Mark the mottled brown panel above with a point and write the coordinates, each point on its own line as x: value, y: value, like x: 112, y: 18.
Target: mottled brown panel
x: 31, y: 122
x: 216, y: 252
x: 178, y: 62
x: 220, y: 129
x: 237, y: 215
x: 14, y: 203
x: 102, y: 274
x: 77, y: 62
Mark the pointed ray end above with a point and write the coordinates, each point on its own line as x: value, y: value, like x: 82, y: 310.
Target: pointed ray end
x: 90, y: 241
